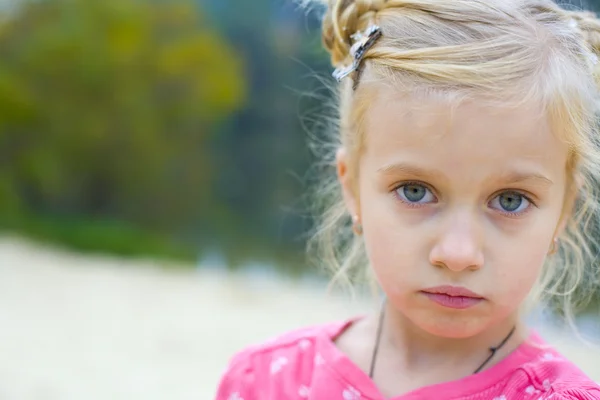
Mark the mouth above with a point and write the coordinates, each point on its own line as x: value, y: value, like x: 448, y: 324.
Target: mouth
x: 453, y: 296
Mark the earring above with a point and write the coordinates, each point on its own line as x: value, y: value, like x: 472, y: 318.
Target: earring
x: 356, y: 225
x: 553, y: 247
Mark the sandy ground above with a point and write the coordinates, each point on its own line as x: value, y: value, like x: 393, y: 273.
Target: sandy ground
x: 75, y: 327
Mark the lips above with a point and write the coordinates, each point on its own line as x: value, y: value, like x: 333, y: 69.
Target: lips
x: 453, y: 296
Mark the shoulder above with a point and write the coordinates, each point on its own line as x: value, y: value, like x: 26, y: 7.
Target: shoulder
x: 249, y: 368
x: 561, y: 379
x: 572, y: 384
x: 301, y: 339
x: 577, y: 394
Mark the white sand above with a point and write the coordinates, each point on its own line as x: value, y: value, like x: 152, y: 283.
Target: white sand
x: 75, y: 327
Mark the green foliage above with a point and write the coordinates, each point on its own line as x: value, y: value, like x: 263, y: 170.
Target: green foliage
x: 99, y: 236
x: 106, y: 108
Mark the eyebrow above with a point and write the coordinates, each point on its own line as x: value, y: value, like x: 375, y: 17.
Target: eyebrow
x: 526, y: 177
x: 512, y: 177
x: 407, y: 169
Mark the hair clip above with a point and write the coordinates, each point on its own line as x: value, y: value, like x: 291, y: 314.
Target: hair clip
x: 363, y: 42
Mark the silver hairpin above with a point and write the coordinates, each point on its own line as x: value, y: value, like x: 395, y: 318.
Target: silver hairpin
x: 363, y: 41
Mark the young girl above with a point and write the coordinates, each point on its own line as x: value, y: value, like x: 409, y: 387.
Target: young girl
x: 467, y: 161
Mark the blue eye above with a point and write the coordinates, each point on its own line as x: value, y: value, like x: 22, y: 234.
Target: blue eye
x: 510, y: 202
x: 415, y: 193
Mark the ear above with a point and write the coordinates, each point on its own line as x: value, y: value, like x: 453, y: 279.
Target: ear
x: 346, y: 177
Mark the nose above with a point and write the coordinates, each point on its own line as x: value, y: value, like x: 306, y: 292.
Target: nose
x: 458, y: 246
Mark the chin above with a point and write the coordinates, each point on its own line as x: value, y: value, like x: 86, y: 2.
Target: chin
x: 451, y: 330
x: 451, y: 325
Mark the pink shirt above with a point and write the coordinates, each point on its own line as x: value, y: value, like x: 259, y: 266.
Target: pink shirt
x: 306, y: 364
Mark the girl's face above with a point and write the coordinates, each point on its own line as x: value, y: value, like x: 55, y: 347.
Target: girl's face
x: 452, y: 202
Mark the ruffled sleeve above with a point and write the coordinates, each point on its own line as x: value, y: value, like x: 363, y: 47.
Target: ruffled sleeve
x: 238, y: 380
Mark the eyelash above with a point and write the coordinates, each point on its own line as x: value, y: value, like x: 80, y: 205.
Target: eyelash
x: 408, y: 183
x: 418, y: 205
x: 516, y: 214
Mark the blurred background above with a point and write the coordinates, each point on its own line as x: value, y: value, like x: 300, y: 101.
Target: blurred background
x: 154, y: 169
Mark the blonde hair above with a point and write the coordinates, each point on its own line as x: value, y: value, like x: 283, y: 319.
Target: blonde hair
x: 508, y: 51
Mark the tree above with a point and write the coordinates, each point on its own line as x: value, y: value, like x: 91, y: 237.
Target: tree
x: 106, y: 108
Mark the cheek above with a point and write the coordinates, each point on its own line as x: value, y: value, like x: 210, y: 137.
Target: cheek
x: 515, y: 274
x: 514, y: 260
x: 392, y: 261
x: 392, y: 245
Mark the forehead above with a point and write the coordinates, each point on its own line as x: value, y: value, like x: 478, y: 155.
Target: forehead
x: 470, y: 134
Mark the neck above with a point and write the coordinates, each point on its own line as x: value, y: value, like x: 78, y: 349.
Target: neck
x: 417, y: 349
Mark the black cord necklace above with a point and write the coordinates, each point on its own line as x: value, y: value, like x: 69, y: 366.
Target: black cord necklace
x: 493, y: 350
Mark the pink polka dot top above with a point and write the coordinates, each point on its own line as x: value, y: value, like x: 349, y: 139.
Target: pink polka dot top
x: 306, y: 364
